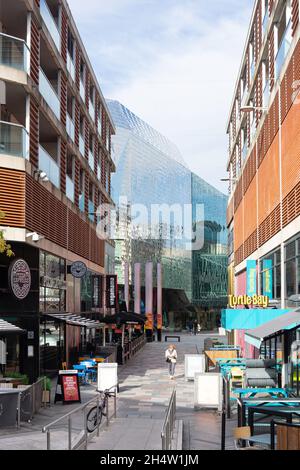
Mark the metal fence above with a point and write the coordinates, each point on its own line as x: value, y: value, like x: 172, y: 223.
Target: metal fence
x: 30, y: 401
x: 77, y: 435
x: 169, y: 424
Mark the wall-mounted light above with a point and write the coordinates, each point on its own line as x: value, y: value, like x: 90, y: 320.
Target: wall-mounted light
x: 35, y: 236
x: 40, y: 175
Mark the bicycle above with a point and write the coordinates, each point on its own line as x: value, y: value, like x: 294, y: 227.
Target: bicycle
x: 94, y: 416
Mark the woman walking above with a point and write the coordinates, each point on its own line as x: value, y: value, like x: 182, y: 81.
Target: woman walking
x: 171, y: 358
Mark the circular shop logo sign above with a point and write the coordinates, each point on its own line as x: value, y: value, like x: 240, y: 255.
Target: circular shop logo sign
x: 19, y: 278
x: 78, y: 269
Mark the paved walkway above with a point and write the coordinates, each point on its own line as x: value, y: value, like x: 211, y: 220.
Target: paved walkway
x: 145, y: 391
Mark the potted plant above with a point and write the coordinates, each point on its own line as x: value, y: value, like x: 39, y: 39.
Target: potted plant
x: 46, y: 396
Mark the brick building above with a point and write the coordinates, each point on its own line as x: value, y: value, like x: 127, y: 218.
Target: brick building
x: 55, y: 167
x: 263, y: 213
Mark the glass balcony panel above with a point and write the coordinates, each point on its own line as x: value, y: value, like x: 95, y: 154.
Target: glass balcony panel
x: 265, y: 23
x: 14, y: 140
x: 82, y: 91
x: 81, y: 145
x: 100, y: 128
x: 49, y: 166
x: 266, y: 94
x: 14, y: 52
x: 91, y: 161
x: 70, y: 127
x: 99, y: 172
x: 244, y: 151
x: 91, y: 211
x: 70, y: 188
x: 283, y: 49
x: 49, y: 94
x: 81, y: 202
x: 252, y: 70
x: 253, y: 129
x: 50, y: 23
x: 71, y: 66
x: 92, y: 110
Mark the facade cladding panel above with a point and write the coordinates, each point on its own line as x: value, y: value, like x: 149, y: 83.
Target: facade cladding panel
x: 291, y: 150
x: 250, y: 201
x: 150, y: 170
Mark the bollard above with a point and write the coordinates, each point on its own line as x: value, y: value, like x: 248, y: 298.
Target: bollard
x: 223, y: 431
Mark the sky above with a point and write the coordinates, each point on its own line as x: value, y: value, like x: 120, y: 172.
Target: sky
x: 174, y: 63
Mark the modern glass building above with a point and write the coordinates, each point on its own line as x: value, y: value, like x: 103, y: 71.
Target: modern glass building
x: 151, y: 171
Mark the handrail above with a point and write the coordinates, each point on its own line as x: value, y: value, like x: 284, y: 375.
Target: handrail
x: 15, y: 39
x: 14, y: 124
x: 169, y: 424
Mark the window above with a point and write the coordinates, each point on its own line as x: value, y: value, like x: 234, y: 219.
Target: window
x: 70, y: 166
x: 275, y: 272
x: 52, y: 283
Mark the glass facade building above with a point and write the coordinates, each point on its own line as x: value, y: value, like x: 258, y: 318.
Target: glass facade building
x: 150, y: 171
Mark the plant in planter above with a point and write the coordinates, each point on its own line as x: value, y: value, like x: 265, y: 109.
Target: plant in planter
x: 21, y: 378
x: 46, y: 397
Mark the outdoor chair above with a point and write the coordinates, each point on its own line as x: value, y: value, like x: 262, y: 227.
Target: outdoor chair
x: 82, y: 373
x: 243, y: 434
x: 237, y: 377
x: 91, y: 369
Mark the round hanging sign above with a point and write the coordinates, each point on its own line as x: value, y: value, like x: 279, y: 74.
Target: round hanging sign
x: 78, y: 269
x: 19, y: 278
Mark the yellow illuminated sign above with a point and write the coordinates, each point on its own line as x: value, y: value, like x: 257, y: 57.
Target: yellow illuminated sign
x: 255, y: 300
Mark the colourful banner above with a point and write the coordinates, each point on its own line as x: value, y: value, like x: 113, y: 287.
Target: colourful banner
x: 268, y: 278
x: 251, y: 278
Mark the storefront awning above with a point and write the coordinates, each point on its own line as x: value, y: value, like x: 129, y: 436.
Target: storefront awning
x: 273, y: 328
x: 127, y: 318
x: 77, y: 320
x: 8, y: 328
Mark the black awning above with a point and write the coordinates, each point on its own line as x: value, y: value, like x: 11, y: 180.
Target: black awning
x: 127, y: 318
x: 8, y: 328
x: 76, y: 320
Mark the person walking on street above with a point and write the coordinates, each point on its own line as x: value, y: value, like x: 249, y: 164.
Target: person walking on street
x: 171, y: 358
x: 195, y: 326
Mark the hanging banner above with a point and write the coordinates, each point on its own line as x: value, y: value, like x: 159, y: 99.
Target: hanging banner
x: 111, y: 291
x: 251, y: 278
x: 268, y: 278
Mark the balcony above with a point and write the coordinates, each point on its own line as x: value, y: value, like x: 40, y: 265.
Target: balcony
x: 70, y: 188
x: 82, y: 91
x: 14, y: 140
x: 91, y: 211
x: 14, y: 53
x: 49, y: 94
x: 81, y: 145
x: 265, y: 23
x: 283, y: 49
x: 71, y: 66
x: 91, y: 160
x: 92, y: 111
x: 70, y: 127
x: 49, y: 166
x: 81, y: 202
x: 266, y: 95
x: 50, y: 23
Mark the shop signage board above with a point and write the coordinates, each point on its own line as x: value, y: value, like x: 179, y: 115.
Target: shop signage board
x: 78, y: 269
x: 67, y: 388
x: 107, y: 377
x: 261, y: 301
x: 268, y: 278
x: 251, y: 278
x: 19, y: 278
x: 111, y: 291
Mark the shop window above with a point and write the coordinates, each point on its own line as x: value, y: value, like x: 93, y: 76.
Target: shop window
x: 52, y: 283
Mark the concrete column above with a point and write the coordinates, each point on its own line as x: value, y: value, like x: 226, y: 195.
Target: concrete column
x: 159, y: 302
x: 126, y: 285
x: 149, y: 299
x: 137, y: 288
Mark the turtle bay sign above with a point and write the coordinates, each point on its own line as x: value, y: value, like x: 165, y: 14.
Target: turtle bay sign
x: 19, y: 278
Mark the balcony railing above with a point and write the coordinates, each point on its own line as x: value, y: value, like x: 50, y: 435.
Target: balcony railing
x: 82, y: 91
x: 49, y: 166
x: 283, y: 49
x: 71, y: 66
x: 14, y: 52
x: 91, y: 160
x: 81, y: 202
x: 81, y: 145
x: 70, y: 188
x: 70, y: 127
x: 92, y: 110
x: 14, y: 140
x: 49, y: 94
x: 50, y: 23
x: 91, y: 211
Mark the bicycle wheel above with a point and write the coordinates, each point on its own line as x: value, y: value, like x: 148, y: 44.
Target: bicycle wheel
x: 93, y: 419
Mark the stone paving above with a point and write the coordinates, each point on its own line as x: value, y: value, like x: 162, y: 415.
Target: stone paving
x: 145, y: 391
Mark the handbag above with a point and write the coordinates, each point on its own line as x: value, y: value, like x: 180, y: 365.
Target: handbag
x: 168, y: 359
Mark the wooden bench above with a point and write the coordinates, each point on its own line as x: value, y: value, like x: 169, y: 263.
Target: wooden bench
x: 174, y: 337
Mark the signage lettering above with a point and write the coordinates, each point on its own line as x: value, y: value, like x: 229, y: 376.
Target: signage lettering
x: 257, y: 300
x: 19, y: 277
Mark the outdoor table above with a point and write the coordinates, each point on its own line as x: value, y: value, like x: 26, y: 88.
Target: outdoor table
x: 262, y: 439
x: 273, y: 392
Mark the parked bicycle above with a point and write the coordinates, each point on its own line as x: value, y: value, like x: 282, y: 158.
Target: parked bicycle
x: 94, y: 416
